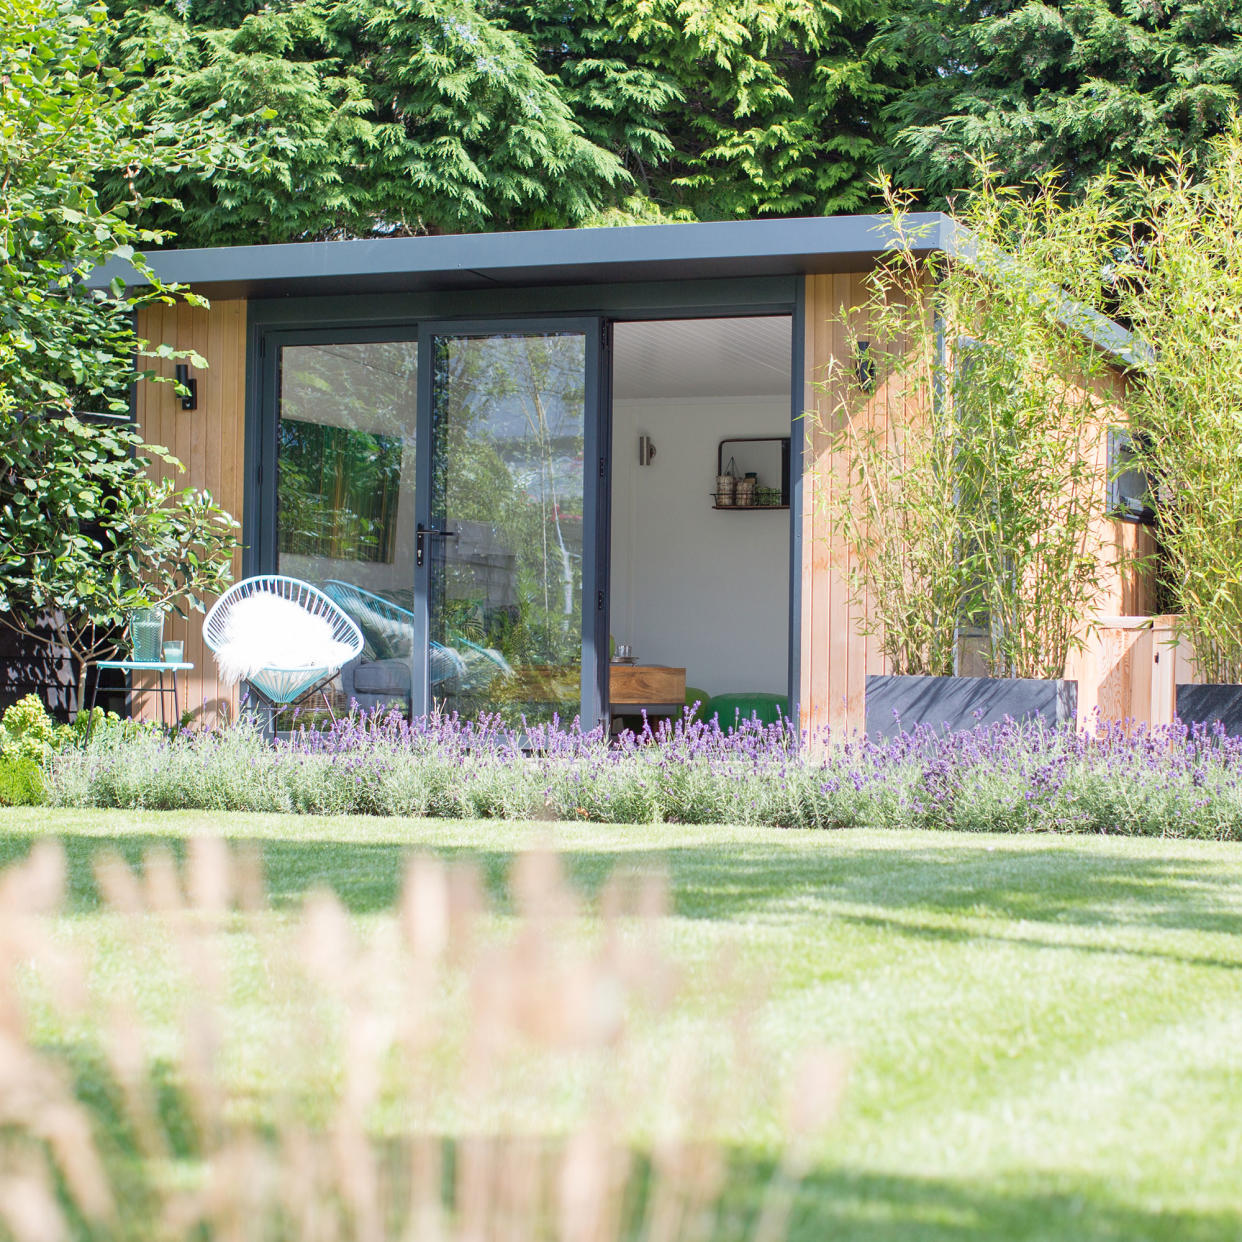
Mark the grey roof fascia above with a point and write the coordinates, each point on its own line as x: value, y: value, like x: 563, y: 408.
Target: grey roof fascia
x: 659, y: 252
x: 554, y: 256
x: 1105, y: 334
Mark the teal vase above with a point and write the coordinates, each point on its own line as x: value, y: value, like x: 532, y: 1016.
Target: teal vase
x: 146, y: 634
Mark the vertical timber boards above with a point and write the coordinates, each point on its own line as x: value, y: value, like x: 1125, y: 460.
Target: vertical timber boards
x: 1127, y: 671
x: 209, y: 442
x: 837, y: 654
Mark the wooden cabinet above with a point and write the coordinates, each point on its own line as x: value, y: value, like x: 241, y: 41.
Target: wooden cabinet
x: 633, y: 687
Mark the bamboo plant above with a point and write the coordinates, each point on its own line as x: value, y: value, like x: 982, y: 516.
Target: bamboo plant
x: 966, y: 439
x: 1181, y: 288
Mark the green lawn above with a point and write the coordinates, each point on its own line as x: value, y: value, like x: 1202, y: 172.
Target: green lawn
x: 1045, y: 1033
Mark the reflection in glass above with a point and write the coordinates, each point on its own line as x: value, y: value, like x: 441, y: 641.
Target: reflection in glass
x: 339, y: 491
x: 345, y: 498
x: 506, y: 582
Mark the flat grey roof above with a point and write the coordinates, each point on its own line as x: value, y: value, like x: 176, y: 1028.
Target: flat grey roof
x: 651, y: 252
x: 549, y: 257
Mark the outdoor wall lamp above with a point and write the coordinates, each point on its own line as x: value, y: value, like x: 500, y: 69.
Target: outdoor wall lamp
x: 865, y: 365
x: 646, y: 450
x: 189, y: 398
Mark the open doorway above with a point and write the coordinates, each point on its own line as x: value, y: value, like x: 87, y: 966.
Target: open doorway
x: 700, y: 570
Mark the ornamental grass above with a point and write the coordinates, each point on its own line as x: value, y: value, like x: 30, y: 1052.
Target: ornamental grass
x: 292, y: 1075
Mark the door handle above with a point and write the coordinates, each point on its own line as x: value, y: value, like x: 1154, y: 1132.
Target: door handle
x: 422, y: 534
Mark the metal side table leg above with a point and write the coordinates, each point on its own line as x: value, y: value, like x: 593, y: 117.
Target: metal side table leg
x: 90, y: 711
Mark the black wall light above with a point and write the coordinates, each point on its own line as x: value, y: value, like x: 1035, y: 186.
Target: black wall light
x: 865, y: 366
x: 189, y: 399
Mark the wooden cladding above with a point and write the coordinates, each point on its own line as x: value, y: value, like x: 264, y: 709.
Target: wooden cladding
x: 210, y: 443
x: 837, y: 655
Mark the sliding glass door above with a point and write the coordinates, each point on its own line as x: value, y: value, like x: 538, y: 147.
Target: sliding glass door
x: 506, y: 543
x: 346, y: 467
x: 447, y: 491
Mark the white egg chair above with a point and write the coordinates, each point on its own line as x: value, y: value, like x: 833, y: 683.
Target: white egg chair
x: 283, y: 637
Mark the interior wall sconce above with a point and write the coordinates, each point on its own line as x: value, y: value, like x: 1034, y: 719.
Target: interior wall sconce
x: 646, y: 450
x: 188, y: 399
x: 865, y: 366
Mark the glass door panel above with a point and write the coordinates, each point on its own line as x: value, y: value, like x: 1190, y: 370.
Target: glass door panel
x: 345, y: 489
x: 503, y: 544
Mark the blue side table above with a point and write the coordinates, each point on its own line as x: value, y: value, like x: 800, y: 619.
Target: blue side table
x: 143, y: 666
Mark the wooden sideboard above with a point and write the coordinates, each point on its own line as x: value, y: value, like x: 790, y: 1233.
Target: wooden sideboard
x: 653, y: 688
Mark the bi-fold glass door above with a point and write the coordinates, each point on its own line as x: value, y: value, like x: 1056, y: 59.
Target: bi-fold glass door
x: 508, y: 532
x: 449, y: 495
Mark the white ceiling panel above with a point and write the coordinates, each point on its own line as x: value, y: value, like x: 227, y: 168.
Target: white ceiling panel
x: 702, y: 358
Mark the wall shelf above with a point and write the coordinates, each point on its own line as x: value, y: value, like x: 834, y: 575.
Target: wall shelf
x: 766, y: 456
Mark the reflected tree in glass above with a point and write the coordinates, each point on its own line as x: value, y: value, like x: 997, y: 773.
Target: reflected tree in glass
x: 509, y: 479
x: 345, y: 497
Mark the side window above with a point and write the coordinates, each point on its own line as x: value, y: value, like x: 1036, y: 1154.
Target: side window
x: 1131, y: 497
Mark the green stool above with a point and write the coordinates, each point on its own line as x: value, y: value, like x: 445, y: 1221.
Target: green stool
x: 730, y: 709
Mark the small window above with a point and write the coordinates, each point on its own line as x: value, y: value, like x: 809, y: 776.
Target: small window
x: 1130, y: 493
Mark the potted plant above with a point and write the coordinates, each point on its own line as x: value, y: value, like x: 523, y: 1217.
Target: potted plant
x: 973, y: 528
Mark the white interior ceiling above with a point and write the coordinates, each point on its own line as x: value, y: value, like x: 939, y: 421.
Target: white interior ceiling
x: 702, y: 358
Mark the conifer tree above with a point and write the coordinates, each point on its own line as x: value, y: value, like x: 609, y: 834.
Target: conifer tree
x: 381, y: 116
x: 727, y: 108
x: 372, y: 116
x: 1077, y: 87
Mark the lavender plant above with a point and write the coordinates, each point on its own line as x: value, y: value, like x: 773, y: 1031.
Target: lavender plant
x: 1009, y: 777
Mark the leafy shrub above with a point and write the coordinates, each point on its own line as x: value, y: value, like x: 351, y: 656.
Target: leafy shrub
x: 995, y: 778
x: 27, y: 730
x: 21, y: 781
x: 28, y: 737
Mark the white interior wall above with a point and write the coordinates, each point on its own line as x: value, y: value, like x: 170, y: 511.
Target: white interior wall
x: 692, y: 585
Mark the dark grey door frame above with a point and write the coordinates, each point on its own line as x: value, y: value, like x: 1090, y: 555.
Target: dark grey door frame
x: 275, y: 322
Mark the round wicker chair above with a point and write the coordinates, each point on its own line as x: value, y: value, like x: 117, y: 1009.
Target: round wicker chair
x: 278, y: 674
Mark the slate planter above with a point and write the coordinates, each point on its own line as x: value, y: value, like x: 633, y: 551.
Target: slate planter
x: 1208, y: 704
x: 896, y: 705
